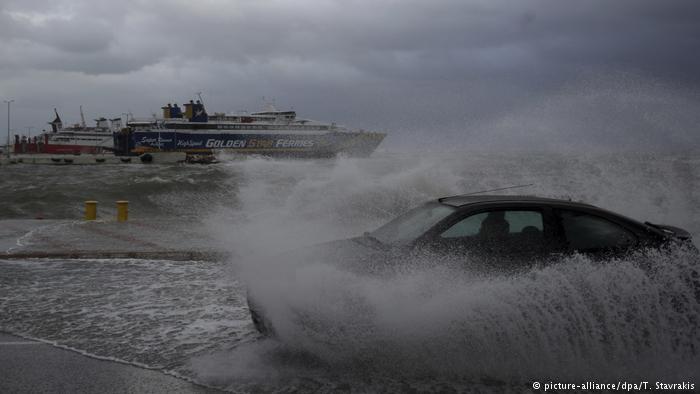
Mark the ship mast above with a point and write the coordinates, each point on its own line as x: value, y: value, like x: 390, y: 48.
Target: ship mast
x: 82, y: 117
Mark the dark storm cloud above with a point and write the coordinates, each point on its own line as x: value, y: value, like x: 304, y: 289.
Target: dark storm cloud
x: 406, y: 66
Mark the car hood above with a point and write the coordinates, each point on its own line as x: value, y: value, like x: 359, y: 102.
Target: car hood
x: 671, y: 231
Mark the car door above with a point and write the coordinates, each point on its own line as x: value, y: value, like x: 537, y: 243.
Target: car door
x: 505, y: 236
x: 594, y: 234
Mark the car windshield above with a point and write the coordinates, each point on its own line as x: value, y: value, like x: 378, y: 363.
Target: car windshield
x: 412, y: 224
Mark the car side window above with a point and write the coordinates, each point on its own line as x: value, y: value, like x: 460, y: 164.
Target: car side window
x: 497, y: 224
x: 466, y: 227
x: 586, y: 232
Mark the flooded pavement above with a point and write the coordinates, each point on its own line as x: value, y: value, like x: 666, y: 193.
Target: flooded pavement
x: 37, y: 367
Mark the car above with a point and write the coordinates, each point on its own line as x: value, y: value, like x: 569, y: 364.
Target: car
x: 501, y: 232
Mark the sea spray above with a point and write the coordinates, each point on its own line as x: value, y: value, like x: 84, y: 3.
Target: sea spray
x: 575, y: 319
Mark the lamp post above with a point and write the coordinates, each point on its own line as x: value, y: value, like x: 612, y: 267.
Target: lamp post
x: 8, y: 125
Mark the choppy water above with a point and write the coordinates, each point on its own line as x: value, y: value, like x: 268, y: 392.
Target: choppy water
x: 58, y: 192
x: 430, y: 329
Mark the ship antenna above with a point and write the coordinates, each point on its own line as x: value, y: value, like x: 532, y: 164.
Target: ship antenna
x: 499, y: 189
x: 199, y: 94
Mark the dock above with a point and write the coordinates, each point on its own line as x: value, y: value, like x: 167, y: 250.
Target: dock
x: 93, y: 159
x: 78, y: 239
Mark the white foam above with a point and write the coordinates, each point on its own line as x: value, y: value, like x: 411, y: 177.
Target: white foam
x: 563, y: 321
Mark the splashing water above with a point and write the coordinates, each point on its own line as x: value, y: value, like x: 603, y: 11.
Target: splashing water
x: 433, y: 327
x: 436, y: 328
x: 577, y: 319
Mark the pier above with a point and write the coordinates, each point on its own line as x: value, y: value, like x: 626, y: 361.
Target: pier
x: 93, y: 159
x: 104, y: 239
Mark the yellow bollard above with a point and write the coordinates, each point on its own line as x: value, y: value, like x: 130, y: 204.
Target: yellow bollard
x: 90, y: 210
x: 122, y: 211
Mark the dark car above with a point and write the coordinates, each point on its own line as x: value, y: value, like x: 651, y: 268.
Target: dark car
x: 502, y: 232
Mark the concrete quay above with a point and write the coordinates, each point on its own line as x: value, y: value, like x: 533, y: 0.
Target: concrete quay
x: 66, y: 239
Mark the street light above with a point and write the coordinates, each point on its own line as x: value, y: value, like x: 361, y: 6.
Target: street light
x: 8, y: 125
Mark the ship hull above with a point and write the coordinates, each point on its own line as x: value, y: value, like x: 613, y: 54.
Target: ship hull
x: 329, y: 144
x: 55, y: 149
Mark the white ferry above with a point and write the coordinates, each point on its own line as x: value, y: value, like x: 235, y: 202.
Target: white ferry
x: 270, y: 132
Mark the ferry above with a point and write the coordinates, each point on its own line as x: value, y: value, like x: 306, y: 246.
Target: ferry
x: 76, y: 139
x: 269, y: 132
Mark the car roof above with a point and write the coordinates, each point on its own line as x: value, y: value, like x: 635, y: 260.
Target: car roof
x: 467, y: 199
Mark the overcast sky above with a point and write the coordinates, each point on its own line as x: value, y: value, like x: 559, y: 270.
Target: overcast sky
x: 434, y: 74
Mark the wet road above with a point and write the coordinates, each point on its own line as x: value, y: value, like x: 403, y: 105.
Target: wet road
x: 35, y: 367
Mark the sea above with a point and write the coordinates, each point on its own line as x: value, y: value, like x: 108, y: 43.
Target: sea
x: 428, y: 329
